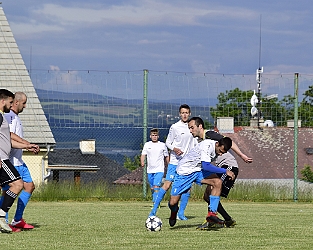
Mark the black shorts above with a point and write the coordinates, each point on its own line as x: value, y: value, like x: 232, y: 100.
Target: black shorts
x: 8, y: 173
x: 228, y: 183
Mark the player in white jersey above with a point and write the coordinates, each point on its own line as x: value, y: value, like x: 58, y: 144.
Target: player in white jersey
x: 196, y: 167
x: 8, y: 173
x: 16, y: 130
x: 156, y: 154
x: 179, y: 141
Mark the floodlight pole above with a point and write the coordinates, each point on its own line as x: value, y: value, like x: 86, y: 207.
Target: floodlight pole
x: 295, y: 164
x: 145, y: 127
x: 259, y: 71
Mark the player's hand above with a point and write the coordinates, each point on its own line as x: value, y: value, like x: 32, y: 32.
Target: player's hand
x: 246, y: 159
x: 33, y: 148
x: 178, y: 151
x: 230, y: 174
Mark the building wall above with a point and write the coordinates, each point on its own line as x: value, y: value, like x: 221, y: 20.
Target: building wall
x: 34, y: 164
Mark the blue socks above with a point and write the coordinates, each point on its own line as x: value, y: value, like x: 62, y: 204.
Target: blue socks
x: 159, y: 197
x: 6, y: 214
x: 21, y: 204
x: 214, y: 200
x: 183, y: 204
x: 155, y: 193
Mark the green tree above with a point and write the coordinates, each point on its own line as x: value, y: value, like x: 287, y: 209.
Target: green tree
x: 132, y: 163
x: 306, y: 108
x: 234, y: 103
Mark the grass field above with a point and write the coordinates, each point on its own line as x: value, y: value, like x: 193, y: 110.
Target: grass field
x: 120, y: 225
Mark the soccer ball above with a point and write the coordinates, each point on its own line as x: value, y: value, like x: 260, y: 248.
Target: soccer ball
x: 153, y: 224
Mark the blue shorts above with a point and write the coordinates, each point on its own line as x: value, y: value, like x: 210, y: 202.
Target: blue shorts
x: 155, y: 179
x: 171, y: 172
x: 206, y: 173
x: 24, y: 173
x: 182, y: 183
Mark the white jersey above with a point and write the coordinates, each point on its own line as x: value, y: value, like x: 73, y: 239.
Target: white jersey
x: 16, y: 128
x: 191, y: 162
x: 226, y: 159
x: 155, y: 152
x: 179, y: 136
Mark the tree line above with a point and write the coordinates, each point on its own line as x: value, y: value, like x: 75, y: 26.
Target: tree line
x: 236, y: 103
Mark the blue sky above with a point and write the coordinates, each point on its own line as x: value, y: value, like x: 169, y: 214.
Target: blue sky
x: 161, y: 35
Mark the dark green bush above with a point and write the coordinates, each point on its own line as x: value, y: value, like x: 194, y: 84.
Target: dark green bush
x: 307, y: 173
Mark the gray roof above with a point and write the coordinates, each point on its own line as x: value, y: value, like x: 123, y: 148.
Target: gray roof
x: 14, y: 77
x: 109, y: 170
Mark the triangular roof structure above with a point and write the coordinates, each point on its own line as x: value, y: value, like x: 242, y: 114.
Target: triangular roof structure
x: 14, y: 77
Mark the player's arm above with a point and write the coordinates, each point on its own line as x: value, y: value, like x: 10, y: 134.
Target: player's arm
x: 208, y: 166
x: 213, y: 135
x: 142, y: 160
x: 167, y: 160
x: 29, y: 147
x: 236, y: 149
x: 16, y: 140
x: 170, y: 141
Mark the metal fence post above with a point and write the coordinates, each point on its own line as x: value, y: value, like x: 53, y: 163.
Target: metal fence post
x: 295, y: 170
x: 145, y: 126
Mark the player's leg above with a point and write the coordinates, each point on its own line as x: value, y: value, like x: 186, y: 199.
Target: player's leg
x: 150, y: 180
x: 227, y: 185
x: 157, y: 180
x: 9, y: 175
x: 183, y: 204
x: 170, y: 174
x: 24, y: 197
x: 216, y: 183
x: 4, y: 189
x: 173, y: 205
x: 181, y: 184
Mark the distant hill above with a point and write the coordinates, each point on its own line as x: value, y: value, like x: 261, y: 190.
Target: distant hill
x: 64, y: 109
x: 48, y: 95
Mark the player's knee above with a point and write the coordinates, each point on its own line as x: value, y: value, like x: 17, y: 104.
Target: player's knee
x: 218, y: 183
x: 16, y: 186
x: 30, y: 187
x: 166, y: 185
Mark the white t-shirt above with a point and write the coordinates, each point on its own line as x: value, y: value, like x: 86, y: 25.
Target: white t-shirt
x: 191, y: 162
x: 155, y: 152
x: 226, y: 159
x: 16, y: 128
x: 179, y: 136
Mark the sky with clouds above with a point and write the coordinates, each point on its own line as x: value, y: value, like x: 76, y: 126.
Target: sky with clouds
x: 177, y: 35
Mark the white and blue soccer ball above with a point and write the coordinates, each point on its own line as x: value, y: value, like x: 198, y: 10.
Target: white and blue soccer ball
x: 153, y: 224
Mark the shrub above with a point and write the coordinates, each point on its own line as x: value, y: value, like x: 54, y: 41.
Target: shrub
x: 307, y: 174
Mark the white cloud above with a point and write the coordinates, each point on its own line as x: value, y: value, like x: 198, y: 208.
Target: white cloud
x: 32, y: 28
x: 141, y: 13
x: 53, y: 67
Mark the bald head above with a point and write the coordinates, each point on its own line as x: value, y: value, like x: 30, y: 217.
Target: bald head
x: 19, y: 102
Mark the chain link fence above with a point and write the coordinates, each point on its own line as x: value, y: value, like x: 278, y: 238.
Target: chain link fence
x: 106, y: 107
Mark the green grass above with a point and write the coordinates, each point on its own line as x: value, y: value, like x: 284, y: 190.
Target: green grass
x: 120, y: 225
x: 242, y: 191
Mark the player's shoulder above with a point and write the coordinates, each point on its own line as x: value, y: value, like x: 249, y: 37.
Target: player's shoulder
x: 10, y: 114
x: 176, y: 124
x: 207, y: 142
x: 213, y: 135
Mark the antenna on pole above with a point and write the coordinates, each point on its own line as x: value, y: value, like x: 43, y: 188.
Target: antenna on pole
x: 259, y: 71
